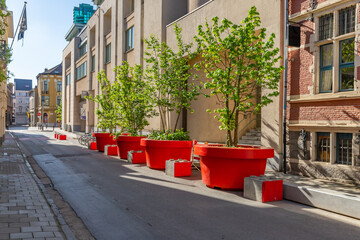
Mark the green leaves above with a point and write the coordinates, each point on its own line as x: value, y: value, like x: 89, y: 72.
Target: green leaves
x: 108, y: 117
x: 5, y: 56
x: 178, y: 135
x: 170, y: 75
x: 239, y: 62
x: 132, y: 98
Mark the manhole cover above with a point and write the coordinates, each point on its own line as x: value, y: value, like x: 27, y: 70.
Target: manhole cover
x: 9, y: 168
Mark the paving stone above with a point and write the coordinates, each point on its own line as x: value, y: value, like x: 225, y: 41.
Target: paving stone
x: 31, y: 229
x: 39, y: 224
x: 44, y: 234
x: 4, y: 236
x: 9, y: 230
x: 50, y: 229
x: 23, y: 224
x: 20, y: 235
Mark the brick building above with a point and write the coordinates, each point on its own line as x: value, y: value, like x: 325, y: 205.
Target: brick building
x: 323, y: 91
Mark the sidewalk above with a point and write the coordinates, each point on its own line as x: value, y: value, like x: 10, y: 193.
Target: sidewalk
x: 24, y: 211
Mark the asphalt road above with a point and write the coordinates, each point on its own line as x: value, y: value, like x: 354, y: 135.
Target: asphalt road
x: 117, y: 200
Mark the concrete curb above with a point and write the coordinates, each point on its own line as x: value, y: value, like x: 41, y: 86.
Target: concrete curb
x: 345, y: 204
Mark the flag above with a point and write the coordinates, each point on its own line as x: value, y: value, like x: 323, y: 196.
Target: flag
x: 23, y: 25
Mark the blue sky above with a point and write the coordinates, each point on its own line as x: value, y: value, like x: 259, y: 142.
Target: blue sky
x: 48, y: 21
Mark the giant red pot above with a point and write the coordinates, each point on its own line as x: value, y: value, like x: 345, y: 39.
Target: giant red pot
x: 226, y: 167
x: 159, y: 151
x: 127, y: 143
x: 103, y: 139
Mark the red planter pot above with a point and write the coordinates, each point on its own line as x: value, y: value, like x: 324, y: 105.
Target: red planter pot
x: 226, y: 168
x: 158, y: 151
x: 127, y: 143
x: 103, y: 139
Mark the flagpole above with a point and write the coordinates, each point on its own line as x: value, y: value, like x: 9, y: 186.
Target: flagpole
x: 22, y: 13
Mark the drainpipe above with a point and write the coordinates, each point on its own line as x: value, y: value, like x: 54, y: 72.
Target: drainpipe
x: 286, y: 42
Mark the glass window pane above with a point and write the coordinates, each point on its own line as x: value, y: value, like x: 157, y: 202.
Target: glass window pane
x: 347, y: 20
x: 326, y: 81
x: 347, y: 48
x: 326, y: 55
x: 347, y: 78
x: 326, y: 26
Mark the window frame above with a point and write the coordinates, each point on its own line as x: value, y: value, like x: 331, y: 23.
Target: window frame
x: 129, y: 47
x: 339, y: 136
x: 58, y: 85
x: 345, y: 65
x: 81, y: 71
x: 326, y: 68
x: 322, y: 134
x: 108, y: 53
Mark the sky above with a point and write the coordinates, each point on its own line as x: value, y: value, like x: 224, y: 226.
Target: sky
x: 47, y: 23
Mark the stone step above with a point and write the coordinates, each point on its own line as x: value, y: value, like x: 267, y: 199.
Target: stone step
x: 257, y: 134
x: 254, y: 138
x: 249, y: 142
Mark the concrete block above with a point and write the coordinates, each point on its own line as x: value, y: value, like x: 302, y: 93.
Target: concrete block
x: 263, y: 189
x: 111, y: 150
x: 93, y: 146
x: 334, y: 201
x: 62, y: 137
x: 178, y: 168
x: 135, y: 157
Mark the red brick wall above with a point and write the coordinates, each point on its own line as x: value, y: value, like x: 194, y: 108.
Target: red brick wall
x: 327, y: 110
x: 299, y: 76
x: 299, y: 5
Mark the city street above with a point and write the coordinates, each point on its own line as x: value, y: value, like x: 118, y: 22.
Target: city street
x: 117, y: 200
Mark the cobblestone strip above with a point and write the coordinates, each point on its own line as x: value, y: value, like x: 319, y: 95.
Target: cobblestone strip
x: 24, y: 210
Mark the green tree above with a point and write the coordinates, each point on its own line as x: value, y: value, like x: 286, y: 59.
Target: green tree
x: 237, y: 59
x: 106, y: 113
x: 5, y: 52
x: 58, y: 112
x: 171, y: 77
x: 132, y: 98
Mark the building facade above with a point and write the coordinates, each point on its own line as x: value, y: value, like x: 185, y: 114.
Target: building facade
x: 34, y: 98
x: 22, y: 100
x: 8, y: 33
x: 49, y: 89
x: 115, y: 34
x: 10, y: 104
x: 323, y: 93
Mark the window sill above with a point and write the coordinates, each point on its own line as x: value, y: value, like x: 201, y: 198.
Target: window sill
x: 344, y: 95
x: 106, y: 63
x: 130, y: 50
x: 80, y: 78
x: 337, y: 38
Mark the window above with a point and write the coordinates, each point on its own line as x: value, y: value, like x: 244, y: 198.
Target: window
x: 20, y: 109
x: 68, y: 79
x: 323, y: 147
x: 347, y: 20
x: 81, y: 71
x: 47, y: 101
x: 93, y: 63
x: 83, y: 49
x: 343, y: 77
x: 42, y: 100
x: 326, y: 26
x: 129, y: 39
x: 58, y: 100
x: 45, y: 85
x: 58, y: 86
x: 108, y: 53
x: 344, y: 148
x: 326, y: 62
x: 19, y: 94
x: 347, y: 52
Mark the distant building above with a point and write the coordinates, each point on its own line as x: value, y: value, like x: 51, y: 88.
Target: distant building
x: 34, y: 98
x: 81, y: 15
x: 21, y: 100
x: 49, y: 88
